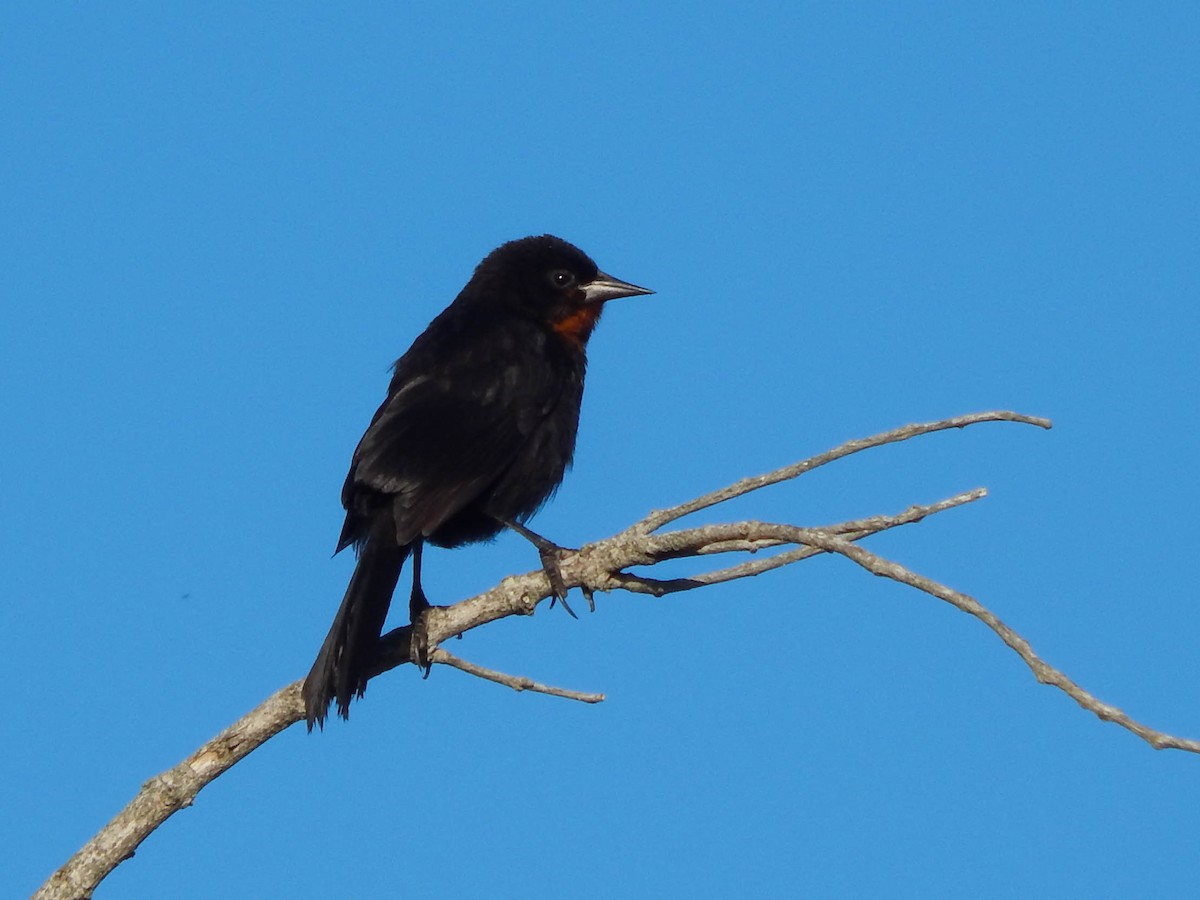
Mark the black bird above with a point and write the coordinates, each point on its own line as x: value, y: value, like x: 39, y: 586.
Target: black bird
x: 475, y: 435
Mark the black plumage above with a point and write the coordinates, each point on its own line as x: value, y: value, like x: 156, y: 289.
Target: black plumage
x: 476, y: 433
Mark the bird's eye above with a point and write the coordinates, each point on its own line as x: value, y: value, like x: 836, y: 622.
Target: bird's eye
x: 561, y: 278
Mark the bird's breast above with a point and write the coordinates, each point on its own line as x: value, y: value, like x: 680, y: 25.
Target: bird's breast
x: 576, y: 326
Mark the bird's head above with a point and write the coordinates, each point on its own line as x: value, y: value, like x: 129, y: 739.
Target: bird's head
x: 553, y: 280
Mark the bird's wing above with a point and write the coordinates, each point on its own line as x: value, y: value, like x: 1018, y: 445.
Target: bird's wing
x: 451, y: 425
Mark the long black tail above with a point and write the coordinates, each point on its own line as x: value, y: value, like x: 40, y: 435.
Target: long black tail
x: 342, y: 666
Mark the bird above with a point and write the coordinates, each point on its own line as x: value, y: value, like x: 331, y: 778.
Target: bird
x: 476, y: 433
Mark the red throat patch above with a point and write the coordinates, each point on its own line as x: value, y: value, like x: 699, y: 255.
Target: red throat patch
x: 576, y: 326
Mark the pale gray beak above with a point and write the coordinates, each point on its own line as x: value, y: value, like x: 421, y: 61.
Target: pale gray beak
x: 605, y: 287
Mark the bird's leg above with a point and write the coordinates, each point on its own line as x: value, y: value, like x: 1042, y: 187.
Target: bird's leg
x: 551, y: 554
x: 418, y: 605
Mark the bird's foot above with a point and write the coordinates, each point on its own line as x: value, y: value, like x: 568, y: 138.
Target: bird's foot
x: 419, y: 649
x: 551, y: 555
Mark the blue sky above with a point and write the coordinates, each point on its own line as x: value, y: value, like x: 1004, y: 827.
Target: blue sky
x: 220, y: 226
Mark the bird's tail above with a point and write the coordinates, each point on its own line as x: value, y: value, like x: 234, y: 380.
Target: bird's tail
x: 343, y: 665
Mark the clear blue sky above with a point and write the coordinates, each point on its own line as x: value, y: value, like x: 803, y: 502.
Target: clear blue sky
x: 221, y: 225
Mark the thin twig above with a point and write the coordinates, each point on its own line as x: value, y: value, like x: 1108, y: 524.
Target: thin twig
x: 661, y: 517
x: 516, y: 682
x: 1044, y: 672
x: 854, y: 530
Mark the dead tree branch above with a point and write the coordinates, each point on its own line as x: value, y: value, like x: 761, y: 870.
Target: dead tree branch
x: 602, y: 566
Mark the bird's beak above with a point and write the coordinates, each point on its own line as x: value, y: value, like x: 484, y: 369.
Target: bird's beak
x: 605, y: 287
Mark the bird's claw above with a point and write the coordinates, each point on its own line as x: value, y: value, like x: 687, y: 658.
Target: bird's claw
x: 551, y: 556
x: 419, y: 649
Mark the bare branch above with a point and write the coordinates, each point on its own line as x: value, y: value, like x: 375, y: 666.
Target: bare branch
x: 853, y: 531
x: 516, y: 682
x: 1044, y: 672
x: 661, y: 517
x: 600, y: 566
x: 167, y: 793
